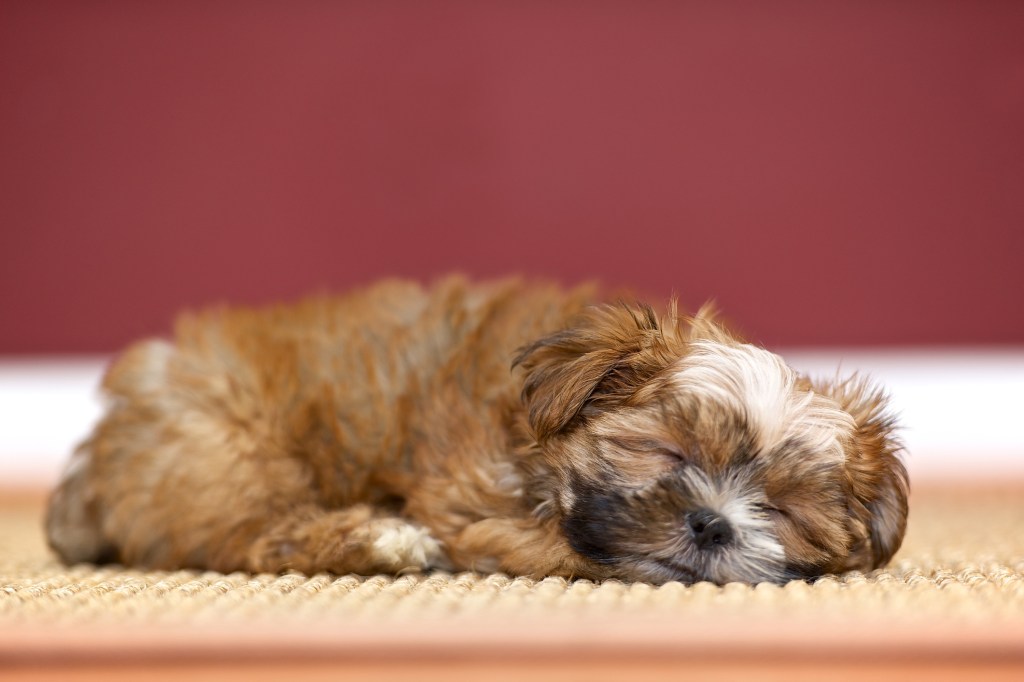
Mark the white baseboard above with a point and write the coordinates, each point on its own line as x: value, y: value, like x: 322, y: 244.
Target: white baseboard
x: 962, y: 409
x: 46, y: 407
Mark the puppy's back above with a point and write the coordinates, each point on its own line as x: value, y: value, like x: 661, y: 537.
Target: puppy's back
x: 252, y: 412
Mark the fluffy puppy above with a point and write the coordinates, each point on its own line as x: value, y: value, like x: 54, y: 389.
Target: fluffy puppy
x: 384, y: 432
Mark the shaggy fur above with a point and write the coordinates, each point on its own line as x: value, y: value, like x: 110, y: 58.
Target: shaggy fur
x: 493, y: 427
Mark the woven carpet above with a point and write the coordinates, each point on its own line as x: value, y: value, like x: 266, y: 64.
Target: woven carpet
x: 960, y: 571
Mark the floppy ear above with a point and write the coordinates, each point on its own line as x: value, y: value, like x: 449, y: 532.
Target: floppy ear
x: 607, y: 354
x: 874, y: 468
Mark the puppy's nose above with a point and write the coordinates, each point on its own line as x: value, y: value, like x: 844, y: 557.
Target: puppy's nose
x: 709, y: 529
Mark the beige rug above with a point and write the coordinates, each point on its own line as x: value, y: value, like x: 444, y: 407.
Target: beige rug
x: 956, y: 586
x: 963, y: 558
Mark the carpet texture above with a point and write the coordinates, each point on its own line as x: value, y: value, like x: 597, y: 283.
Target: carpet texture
x: 961, y: 563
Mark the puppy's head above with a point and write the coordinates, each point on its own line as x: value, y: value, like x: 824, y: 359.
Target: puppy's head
x: 682, y: 453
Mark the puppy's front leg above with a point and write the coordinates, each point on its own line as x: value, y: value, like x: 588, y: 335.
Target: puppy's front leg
x: 312, y: 539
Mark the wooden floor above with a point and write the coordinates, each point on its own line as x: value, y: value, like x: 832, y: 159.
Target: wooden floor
x: 950, y: 607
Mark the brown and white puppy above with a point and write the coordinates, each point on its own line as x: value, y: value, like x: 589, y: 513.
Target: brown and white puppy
x: 385, y: 432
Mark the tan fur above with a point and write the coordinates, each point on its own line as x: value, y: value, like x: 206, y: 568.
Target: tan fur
x: 387, y: 430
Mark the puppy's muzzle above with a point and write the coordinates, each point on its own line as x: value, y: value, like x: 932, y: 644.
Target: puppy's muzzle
x: 709, y: 529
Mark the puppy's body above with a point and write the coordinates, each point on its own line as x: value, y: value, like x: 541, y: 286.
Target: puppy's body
x: 384, y: 431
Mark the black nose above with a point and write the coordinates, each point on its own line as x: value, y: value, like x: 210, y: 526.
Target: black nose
x: 709, y: 529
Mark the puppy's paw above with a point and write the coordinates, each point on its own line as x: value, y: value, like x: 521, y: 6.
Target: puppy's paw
x: 397, y: 546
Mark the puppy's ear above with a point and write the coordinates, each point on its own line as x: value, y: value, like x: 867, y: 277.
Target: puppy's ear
x: 604, y: 357
x: 877, y: 477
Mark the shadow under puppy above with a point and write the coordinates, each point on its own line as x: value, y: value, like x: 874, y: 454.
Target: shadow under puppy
x: 383, y: 431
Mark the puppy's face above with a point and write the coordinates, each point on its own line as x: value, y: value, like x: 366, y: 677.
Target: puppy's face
x: 683, y: 454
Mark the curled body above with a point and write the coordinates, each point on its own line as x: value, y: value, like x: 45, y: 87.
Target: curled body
x: 503, y: 426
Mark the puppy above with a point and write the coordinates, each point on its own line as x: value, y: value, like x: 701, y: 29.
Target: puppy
x: 503, y: 426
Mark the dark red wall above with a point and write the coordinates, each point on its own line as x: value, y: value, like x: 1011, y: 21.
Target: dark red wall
x: 836, y: 173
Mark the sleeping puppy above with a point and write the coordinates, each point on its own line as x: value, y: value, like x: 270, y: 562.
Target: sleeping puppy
x: 503, y: 426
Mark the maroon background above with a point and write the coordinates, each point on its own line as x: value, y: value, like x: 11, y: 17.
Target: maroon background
x: 833, y: 173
